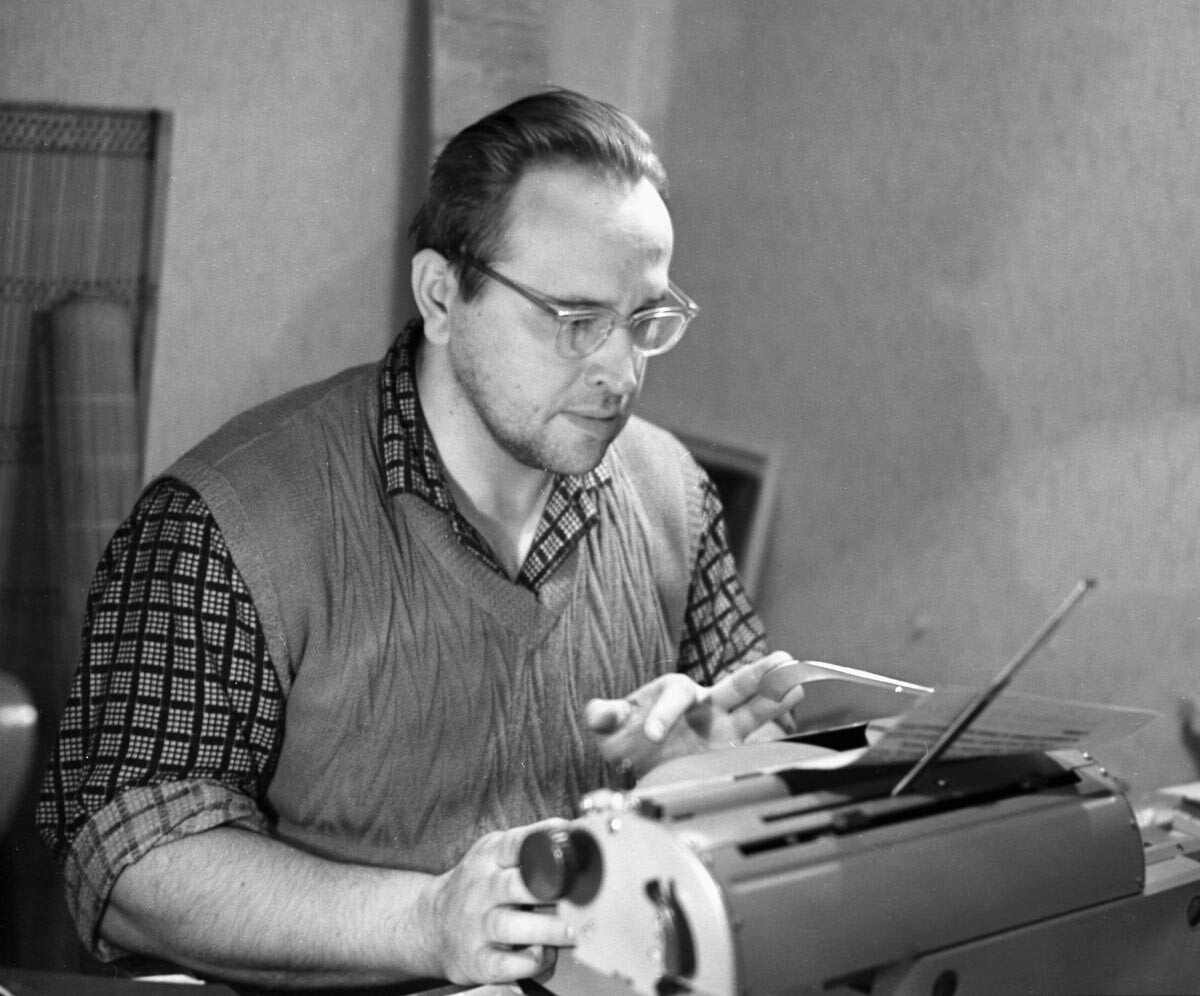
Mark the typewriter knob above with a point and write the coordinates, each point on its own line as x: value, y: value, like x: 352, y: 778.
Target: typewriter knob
x: 560, y: 864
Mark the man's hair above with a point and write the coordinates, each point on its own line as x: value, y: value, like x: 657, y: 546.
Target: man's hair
x: 465, y: 211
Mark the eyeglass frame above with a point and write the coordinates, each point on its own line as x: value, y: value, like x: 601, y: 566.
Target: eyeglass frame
x: 687, y: 310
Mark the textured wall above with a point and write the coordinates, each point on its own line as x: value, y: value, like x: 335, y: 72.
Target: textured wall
x: 948, y: 254
x: 286, y: 167
x: 621, y: 51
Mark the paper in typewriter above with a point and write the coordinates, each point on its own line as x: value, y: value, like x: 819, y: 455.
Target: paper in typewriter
x: 904, y: 720
x: 1015, y: 723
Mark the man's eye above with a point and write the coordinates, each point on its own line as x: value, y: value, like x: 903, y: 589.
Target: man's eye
x: 586, y: 324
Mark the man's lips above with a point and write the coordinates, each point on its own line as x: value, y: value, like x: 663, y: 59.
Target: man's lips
x: 598, y: 415
x: 601, y: 407
x: 600, y: 422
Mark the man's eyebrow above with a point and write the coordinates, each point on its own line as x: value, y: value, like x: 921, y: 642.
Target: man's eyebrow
x: 581, y: 302
x: 654, y: 302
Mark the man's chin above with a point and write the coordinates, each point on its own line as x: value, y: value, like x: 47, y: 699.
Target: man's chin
x: 579, y: 462
x: 582, y: 455
x: 576, y: 445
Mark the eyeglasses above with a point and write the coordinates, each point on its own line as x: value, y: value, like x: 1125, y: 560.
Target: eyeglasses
x: 582, y: 331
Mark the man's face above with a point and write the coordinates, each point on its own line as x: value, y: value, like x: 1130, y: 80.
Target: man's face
x: 579, y: 240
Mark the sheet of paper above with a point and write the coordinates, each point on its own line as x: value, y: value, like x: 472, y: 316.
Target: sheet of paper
x: 835, y: 702
x: 1015, y: 723
x: 836, y: 695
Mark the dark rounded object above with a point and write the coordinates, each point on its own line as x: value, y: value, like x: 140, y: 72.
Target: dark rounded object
x: 560, y: 864
x: 946, y: 984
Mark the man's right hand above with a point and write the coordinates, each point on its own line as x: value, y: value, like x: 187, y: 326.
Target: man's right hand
x: 239, y: 905
x: 485, y: 929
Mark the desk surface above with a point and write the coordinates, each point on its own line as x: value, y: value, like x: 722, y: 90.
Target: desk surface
x: 25, y: 982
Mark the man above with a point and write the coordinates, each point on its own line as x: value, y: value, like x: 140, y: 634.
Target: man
x: 349, y: 649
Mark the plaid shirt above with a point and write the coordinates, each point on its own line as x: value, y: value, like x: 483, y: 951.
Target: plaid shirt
x: 175, y: 718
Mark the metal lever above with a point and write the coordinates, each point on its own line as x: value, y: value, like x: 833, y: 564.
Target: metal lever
x: 993, y: 689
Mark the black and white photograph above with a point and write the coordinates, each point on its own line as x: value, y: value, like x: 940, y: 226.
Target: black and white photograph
x: 599, y: 497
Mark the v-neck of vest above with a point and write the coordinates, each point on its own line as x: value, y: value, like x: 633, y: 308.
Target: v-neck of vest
x: 512, y: 604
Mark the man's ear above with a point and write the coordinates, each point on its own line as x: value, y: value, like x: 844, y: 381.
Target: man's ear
x: 434, y: 287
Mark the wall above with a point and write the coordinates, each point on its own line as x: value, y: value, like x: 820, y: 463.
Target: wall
x: 621, y: 51
x: 287, y: 162
x: 299, y: 128
x: 948, y: 255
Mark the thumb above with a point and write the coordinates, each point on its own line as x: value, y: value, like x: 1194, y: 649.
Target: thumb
x: 606, y: 715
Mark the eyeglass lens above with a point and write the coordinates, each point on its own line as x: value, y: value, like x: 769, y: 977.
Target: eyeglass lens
x: 651, y: 334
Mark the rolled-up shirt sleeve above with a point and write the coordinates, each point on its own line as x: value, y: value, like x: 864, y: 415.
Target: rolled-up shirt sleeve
x: 175, y: 717
x: 721, y: 629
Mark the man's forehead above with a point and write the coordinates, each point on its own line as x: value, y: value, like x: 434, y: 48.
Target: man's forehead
x: 588, y: 202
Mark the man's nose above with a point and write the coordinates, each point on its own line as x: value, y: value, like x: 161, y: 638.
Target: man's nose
x: 617, y: 365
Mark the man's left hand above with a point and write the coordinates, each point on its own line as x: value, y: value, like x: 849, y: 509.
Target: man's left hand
x: 672, y: 716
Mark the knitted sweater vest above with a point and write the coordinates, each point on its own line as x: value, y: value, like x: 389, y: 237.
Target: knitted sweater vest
x: 428, y: 698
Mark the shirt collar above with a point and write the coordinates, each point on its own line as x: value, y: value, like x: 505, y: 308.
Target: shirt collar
x: 410, y: 457
x: 411, y: 465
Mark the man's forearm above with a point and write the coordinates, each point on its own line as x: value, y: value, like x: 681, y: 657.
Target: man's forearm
x: 244, y: 906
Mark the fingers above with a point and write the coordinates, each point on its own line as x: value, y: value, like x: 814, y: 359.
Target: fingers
x: 656, y: 707
x: 672, y: 715
x: 647, y: 727
x: 491, y: 928
x: 793, y: 697
x: 501, y: 965
x: 678, y: 694
x: 747, y: 681
x: 604, y: 716
x: 505, y: 846
x: 523, y: 926
x: 750, y: 697
x: 760, y: 710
